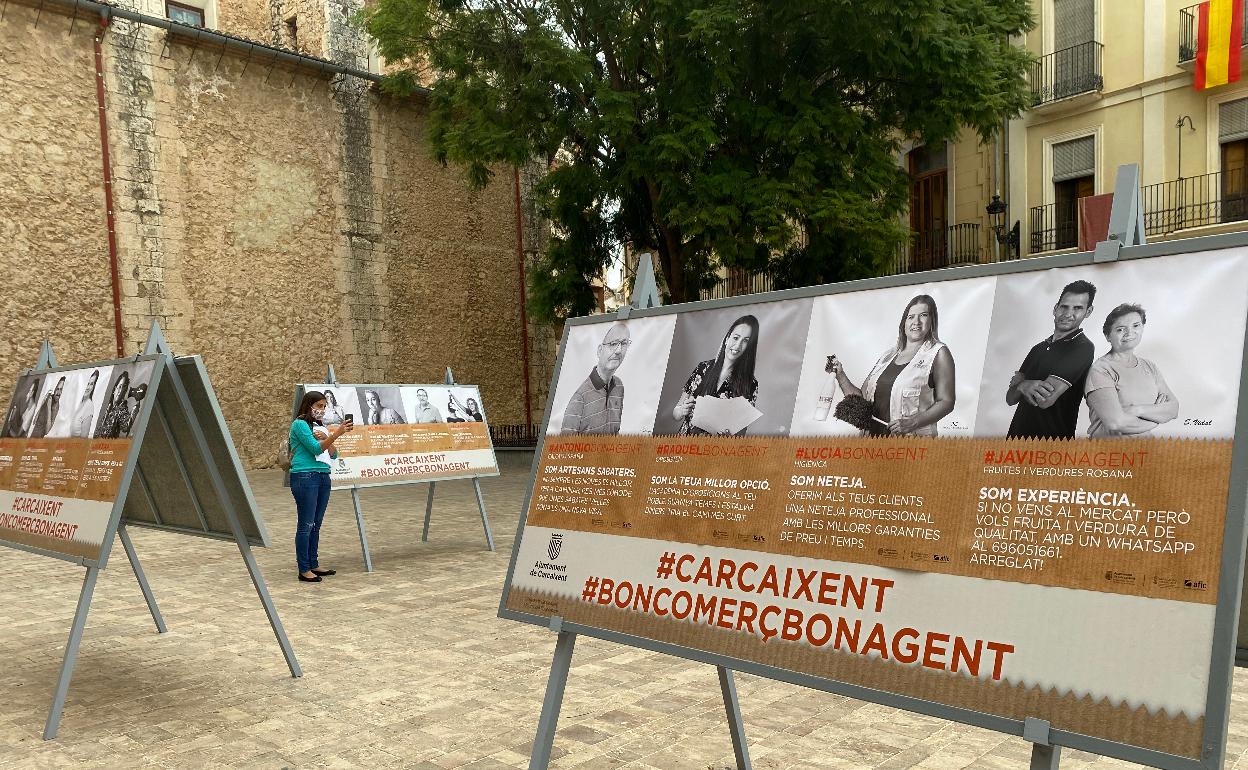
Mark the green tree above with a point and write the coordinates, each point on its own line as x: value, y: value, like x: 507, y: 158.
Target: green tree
x: 743, y: 133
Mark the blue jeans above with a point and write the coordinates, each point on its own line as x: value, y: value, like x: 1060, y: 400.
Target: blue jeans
x: 311, y: 491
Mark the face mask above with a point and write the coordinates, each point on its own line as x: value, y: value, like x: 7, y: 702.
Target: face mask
x: 318, y: 413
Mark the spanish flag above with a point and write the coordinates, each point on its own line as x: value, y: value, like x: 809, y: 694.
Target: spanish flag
x: 1219, y: 35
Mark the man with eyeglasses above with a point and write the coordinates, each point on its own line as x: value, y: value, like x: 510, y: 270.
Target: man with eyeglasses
x: 596, y: 405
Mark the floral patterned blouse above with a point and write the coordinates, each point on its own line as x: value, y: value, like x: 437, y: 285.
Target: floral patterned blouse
x: 725, y: 391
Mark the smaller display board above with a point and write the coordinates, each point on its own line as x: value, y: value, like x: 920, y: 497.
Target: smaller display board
x: 68, y: 451
x: 86, y: 450
x: 407, y: 433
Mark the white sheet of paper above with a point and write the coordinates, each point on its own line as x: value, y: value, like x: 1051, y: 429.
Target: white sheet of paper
x: 717, y: 415
x: 319, y: 434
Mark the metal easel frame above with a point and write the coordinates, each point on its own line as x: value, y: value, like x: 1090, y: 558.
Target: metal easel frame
x: 164, y: 368
x: 1126, y: 243
x: 331, y: 378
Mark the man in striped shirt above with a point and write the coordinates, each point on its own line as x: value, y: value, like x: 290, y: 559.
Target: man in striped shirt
x: 596, y: 405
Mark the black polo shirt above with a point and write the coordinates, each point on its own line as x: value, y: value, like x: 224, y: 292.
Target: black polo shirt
x: 1068, y: 358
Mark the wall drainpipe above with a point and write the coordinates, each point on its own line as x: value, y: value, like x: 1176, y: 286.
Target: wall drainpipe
x: 524, y: 301
x: 101, y: 104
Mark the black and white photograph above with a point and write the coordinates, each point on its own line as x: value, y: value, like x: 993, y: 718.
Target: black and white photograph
x: 339, y: 402
x: 902, y: 361
x: 24, y: 407
x: 462, y: 404
x: 383, y: 405
x: 610, y: 378
x: 1103, y: 353
x: 122, y: 400
x: 734, y: 371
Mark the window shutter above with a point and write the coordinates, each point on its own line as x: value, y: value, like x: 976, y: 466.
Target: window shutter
x: 1074, y: 159
x: 1074, y: 22
x: 1233, y: 121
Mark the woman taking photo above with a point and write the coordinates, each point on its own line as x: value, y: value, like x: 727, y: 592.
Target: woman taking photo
x: 911, y: 385
x: 729, y: 375
x: 1126, y: 393
x: 311, y: 449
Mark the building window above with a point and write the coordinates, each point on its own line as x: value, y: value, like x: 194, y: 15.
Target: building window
x: 1074, y: 177
x: 184, y: 14
x: 292, y: 32
x: 929, y: 198
x: 1074, y: 23
x: 1233, y: 154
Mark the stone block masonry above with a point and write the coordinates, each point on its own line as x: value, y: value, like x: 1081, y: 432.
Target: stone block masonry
x: 272, y: 219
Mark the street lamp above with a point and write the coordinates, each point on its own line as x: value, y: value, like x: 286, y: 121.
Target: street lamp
x: 996, y: 210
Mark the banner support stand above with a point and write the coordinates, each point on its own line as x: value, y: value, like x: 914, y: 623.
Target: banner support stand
x: 331, y: 378
x: 71, y: 653
x: 732, y: 707
x: 449, y: 379
x: 544, y: 742
x: 1126, y: 216
x: 1044, y: 755
x: 156, y: 343
x: 359, y: 524
x: 124, y: 534
x: 424, y: 537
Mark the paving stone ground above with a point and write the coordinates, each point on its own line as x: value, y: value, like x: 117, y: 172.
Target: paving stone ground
x: 408, y: 667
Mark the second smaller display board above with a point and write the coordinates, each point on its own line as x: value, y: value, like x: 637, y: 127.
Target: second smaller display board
x: 407, y: 433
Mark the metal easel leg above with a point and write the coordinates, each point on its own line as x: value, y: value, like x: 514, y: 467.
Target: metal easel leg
x: 735, y: 726
x: 71, y: 653
x: 424, y: 537
x: 359, y: 523
x: 1045, y: 757
x: 124, y: 534
x: 485, y: 520
x: 545, y: 740
x: 262, y: 590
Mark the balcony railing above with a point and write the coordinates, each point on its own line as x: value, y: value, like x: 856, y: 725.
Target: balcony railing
x: 1188, y: 35
x: 1196, y: 201
x: 1066, y: 73
x: 1054, y: 226
x: 738, y: 282
x: 958, y: 244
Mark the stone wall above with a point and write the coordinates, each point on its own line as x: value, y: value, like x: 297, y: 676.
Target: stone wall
x: 272, y: 220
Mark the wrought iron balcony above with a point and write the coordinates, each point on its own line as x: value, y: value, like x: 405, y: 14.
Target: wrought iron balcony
x: 1195, y: 201
x: 1067, y: 73
x: 958, y: 244
x: 1054, y: 226
x: 1188, y: 33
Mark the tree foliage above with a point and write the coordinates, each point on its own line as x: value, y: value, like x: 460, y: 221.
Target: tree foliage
x: 742, y: 133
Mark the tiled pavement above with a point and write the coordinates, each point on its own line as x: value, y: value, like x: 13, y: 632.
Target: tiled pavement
x: 406, y: 667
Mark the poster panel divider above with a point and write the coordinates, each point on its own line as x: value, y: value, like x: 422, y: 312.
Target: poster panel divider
x: 1229, y: 568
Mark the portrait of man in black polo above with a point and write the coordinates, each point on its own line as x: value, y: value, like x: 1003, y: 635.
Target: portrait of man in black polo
x: 598, y: 404
x: 1047, y: 389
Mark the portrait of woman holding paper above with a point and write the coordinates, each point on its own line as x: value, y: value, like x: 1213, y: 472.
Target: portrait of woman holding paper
x: 911, y: 386
x: 728, y: 376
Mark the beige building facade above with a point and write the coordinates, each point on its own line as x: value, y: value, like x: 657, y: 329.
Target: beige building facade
x: 1115, y: 85
x: 273, y: 215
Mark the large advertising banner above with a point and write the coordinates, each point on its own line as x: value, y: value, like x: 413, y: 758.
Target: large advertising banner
x: 66, y: 440
x: 407, y: 433
x: 1006, y: 495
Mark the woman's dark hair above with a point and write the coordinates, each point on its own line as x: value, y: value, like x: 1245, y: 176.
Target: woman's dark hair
x: 742, y: 379
x: 1126, y: 308
x: 933, y: 333
x: 305, y: 406
x: 124, y: 377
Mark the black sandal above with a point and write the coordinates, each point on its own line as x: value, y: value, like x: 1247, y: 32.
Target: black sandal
x: 316, y: 579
